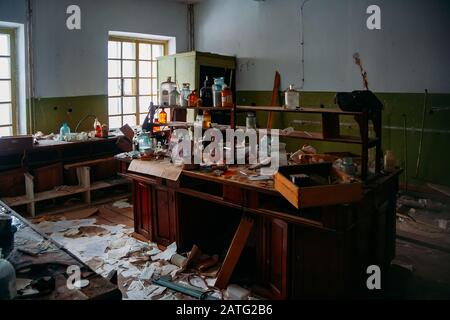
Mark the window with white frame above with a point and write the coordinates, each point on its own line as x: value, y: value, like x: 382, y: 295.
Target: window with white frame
x: 132, y: 79
x: 7, y: 83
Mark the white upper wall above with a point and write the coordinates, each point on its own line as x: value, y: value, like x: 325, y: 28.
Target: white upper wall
x: 74, y: 63
x: 409, y: 54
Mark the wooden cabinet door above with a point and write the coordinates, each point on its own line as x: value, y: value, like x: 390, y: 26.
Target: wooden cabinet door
x: 275, y: 256
x: 143, y: 209
x: 164, y: 219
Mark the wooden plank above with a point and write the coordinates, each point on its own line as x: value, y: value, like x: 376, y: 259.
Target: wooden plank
x: 273, y: 102
x: 87, y: 163
x: 234, y: 252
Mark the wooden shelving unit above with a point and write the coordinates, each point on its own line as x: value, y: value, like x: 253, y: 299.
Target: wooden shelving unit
x: 85, y: 188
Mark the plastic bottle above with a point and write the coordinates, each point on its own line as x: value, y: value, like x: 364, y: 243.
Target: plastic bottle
x: 64, y: 131
x: 8, y: 288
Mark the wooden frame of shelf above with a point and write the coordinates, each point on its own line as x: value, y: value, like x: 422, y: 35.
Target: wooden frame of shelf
x: 85, y: 187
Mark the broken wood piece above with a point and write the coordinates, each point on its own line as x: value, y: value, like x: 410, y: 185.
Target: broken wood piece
x: 234, y: 252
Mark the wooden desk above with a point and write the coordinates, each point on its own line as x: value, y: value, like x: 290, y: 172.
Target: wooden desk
x: 54, y: 262
x: 314, y: 252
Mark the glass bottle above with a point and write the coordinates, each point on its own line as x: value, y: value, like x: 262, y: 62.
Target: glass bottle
x: 192, y: 100
x: 168, y: 93
x: 98, y: 128
x: 184, y: 95
x: 250, y: 121
x: 162, y: 118
x: 64, y: 131
x: 206, y: 119
x: 206, y: 94
x: 156, y: 128
x: 292, y: 98
x: 227, y: 97
x: 217, y: 91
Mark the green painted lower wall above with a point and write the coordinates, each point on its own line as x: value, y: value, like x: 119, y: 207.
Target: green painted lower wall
x: 435, y: 160
x: 435, y: 150
x: 50, y: 113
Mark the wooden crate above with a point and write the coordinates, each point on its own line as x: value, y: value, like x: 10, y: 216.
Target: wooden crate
x: 317, y: 195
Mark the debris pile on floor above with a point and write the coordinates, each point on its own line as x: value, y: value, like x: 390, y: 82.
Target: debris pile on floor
x: 111, y: 250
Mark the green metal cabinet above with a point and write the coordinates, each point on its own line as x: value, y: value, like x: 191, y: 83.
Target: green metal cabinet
x: 193, y: 67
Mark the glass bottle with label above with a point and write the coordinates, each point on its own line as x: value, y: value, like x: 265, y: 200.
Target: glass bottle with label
x: 168, y: 93
x: 227, y: 97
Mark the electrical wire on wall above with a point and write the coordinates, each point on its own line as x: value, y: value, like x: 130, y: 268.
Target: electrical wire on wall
x: 31, y: 87
x: 302, y: 42
x: 191, y: 27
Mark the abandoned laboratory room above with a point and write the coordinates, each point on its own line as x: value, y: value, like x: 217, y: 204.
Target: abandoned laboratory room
x: 242, y: 151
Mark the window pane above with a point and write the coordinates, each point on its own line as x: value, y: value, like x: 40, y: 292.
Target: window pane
x: 142, y: 117
x: 5, y: 91
x: 114, y: 68
x: 145, y: 86
x: 158, y: 51
x: 145, y: 51
x: 114, y: 50
x: 155, y: 100
x: 144, y: 69
x: 4, y: 45
x: 130, y: 120
x: 154, y: 69
x: 144, y: 103
x: 114, y: 88
x: 129, y: 105
x: 5, y: 131
x: 128, y: 50
x: 154, y: 87
x: 5, y: 68
x: 129, y: 87
x: 114, y: 106
x: 5, y: 114
x: 129, y: 69
x: 115, y: 122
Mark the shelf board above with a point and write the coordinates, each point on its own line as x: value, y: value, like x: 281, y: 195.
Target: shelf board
x: 301, y: 110
x: 103, y: 184
x: 46, y: 195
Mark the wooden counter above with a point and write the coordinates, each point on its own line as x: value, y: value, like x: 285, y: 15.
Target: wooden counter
x: 307, y: 253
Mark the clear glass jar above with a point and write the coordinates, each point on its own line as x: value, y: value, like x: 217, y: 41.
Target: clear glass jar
x: 184, y: 95
x: 292, y: 98
x: 168, y: 93
x: 251, y: 121
x: 217, y: 91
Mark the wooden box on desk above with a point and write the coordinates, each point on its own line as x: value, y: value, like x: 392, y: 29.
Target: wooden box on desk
x: 16, y: 144
x: 316, y: 195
